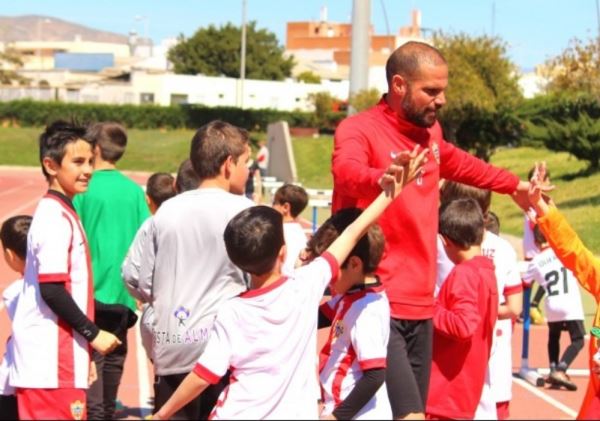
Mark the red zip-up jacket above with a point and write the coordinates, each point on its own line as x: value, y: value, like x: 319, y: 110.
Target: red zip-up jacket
x: 362, y: 148
x: 463, y: 328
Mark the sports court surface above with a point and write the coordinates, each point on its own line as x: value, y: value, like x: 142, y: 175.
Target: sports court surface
x: 20, y: 190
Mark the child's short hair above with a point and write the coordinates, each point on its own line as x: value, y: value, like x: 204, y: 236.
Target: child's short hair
x: 186, y: 179
x: 462, y: 222
x: 111, y: 138
x: 56, y: 137
x: 369, y: 248
x: 213, y: 143
x: 492, y: 223
x: 253, y: 239
x: 453, y: 190
x: 296, y: 196
x: 13, y: 234
x: 160, y: 187
x: 532, y: 170
x: 538, y: 235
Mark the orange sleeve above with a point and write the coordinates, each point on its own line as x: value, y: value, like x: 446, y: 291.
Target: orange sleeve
x: 571, y: 251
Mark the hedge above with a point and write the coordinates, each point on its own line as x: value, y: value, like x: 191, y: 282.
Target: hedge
x: 30, y: 113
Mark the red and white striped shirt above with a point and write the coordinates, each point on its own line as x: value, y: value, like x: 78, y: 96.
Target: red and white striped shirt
x: 48, y: 353
x: 357, y: 342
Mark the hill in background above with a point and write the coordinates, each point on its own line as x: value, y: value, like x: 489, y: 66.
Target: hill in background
x: 26, y: 28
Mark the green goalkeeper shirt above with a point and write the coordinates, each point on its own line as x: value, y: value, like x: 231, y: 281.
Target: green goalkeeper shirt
x: 111, y: 211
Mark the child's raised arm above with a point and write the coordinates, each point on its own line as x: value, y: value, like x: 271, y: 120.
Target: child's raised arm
x: 405, y: 167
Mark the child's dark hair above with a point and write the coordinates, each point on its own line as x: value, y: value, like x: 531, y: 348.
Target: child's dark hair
x: 462, y: 222
x: 213, y: 143
x: 186, y: 179
x: 13, y: 234
x: 56, y: 137
x: 453, y: 190
x: 296, y: 196
x: 492, y: 223
x: 111, y: 138
x: 160, y: 187
x: 253, y: 239
x: 538, y: 235
x: 369, y: 248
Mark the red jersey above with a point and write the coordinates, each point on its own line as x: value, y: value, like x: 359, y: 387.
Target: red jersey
x: 362, y: 148
x: 463, y: 322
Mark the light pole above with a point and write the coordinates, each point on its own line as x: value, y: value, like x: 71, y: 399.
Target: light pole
x: 242, y: 57
x: 146, y: 20
x: 359, y: 54
x: 40, y: 56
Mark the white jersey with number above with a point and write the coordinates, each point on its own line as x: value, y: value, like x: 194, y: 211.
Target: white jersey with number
x: 10, y: 298
x: 357, y: 342
x: 47, y: 352
x: 563, y: 299
x: 267, y: 339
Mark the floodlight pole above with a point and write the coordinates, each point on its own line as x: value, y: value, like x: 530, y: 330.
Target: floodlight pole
x: 360, y: 45
x: 242, y: 57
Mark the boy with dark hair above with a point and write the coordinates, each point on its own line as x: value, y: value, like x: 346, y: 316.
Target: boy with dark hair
x: 497, y: 391
x: 111, y: 211
x: 290, y: 200
x: 159, y: 188
x: 13, y: 236
x: 563, y: 308
x: 360, y: 319
x: 275, y: 375
x: 465, y: 313
x: 53, y: 327
x: 187, y: 274
x: 186, y: 179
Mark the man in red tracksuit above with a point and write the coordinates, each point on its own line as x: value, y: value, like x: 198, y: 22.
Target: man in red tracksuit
x: 364, y: 150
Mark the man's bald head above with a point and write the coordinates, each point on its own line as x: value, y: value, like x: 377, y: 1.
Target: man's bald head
x: 409, y: 58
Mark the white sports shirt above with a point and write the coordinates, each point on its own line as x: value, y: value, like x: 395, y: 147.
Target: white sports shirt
x: 563, y: 299
x: 357, y: 341
x: 10, y: 298
x: 295, y: 242
x: 47, y: 352
x: 266, y: 338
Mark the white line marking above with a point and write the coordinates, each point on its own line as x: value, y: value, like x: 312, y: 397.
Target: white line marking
x: 549, y: 399
x: 143, y: 375
x: 573, y: 372
x: 18, y: 209
x: 19, y: 187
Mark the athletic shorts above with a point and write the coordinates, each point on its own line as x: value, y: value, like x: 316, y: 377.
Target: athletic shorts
x: 409, y: 365
x: 51, y: 404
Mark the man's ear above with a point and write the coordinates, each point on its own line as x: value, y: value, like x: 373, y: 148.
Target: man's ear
x: 399, y: 85
x: 50, y: 165
x: 227, y: 167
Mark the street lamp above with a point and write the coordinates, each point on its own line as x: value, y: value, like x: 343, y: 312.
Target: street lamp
x: 243, y: 56
x: 40, y: 40
x: 146, y: 20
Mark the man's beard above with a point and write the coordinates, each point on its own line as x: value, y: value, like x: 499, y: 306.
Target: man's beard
x: 423, y: 118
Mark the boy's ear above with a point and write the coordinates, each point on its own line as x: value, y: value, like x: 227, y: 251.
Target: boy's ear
x: 355, y: 263
x: 287, y: 208
x: 50, y: 165
x: 282, y: 253
x: 445, y: 240
x: 226, y: 168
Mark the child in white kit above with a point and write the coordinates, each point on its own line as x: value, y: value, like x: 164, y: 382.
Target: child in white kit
x: 13, y: 236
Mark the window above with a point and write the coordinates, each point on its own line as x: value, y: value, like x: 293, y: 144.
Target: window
x: 146, y: 98
x: 177, y: 99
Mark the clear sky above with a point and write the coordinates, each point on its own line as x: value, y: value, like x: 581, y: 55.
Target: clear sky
x: 534, y: 29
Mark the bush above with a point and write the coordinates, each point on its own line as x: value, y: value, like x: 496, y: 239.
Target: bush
x: 30, y: 113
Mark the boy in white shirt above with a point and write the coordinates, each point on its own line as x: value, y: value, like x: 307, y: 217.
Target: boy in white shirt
x: 353, y: 361
x: 13, y: 236
x: 563, y: 309
x: 264, y: 336
x: 290, y: 201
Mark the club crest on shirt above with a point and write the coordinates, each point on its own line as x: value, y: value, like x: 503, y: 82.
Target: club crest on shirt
x: 435, y: 149
x: 182, y: 314
x: 77, y: 409
x: 338, y: 329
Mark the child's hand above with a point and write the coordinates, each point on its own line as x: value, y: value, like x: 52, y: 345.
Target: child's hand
x: 404, y: 167
x: 536, y: 190
x: 105, y: 342
x: 93, y: 373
